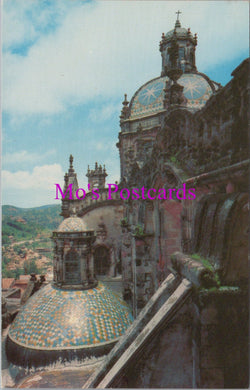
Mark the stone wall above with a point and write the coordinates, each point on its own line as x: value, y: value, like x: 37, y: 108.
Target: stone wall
x: 166, y: 361
x: 221, y: 339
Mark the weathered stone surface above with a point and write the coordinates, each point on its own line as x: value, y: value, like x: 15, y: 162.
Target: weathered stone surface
x: 212, y: 378
x: 192, y: 270
x: 209, y: 315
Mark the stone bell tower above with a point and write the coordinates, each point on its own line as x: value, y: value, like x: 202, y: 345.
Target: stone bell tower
x: 73, y: 257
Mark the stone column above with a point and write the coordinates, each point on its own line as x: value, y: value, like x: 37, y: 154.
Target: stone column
x: 61, y: 258
x: 83, y: 254
x: 91, y: 264
x: 112, y: 262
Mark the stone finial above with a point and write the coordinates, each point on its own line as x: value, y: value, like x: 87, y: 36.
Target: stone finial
x: 71, y: 158
x: 125, y: 102
x: 125, y: 108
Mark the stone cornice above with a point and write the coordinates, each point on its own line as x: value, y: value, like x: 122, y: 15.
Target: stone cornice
x: 221, y: 174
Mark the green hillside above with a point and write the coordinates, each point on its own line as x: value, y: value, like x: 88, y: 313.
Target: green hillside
x: 27, y: 223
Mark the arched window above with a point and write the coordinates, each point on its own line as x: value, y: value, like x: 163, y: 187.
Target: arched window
x: 102, y: 260
x: 72, y: 267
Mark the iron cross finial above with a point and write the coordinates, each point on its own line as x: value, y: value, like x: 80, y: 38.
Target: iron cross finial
x: 178, y: 14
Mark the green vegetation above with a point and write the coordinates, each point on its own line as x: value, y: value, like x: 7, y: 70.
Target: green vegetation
x: 173, y: 159
x: 176, y: 160
x: 124, y: 221
x: 31, y: 267
x: 139, y: 231
x: 28, y: 268
x: 204, y: 261
x: 11, y: 273
x: 41, y: 243
x: 221, y: 290
x: 207, y: 264
x: 27, y: 224
x: 24, y: 229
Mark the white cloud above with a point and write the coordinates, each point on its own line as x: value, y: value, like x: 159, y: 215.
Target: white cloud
x: 107, y: 48
x: 25, y: 189
x: 25, y: 157
x: 22, y: 31
x: 42, y: 177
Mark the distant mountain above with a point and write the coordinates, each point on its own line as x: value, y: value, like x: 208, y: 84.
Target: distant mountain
x: 27, y: 223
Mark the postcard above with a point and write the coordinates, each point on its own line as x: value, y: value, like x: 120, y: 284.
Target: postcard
x: 125, y: 166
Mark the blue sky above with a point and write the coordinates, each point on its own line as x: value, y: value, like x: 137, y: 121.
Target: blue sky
x: 66, y: 67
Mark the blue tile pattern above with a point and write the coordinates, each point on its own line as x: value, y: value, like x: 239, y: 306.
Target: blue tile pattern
x: 148, y: 100
x: 72, y: 224
x: 151, y: 93
x: 196, y: 89
x: 55, y: 319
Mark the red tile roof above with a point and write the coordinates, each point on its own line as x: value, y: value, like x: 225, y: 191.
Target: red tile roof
x: 7, y: 282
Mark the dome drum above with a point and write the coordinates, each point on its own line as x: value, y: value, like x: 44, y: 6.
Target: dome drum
x: 35, y: 358
x: 88, y: 235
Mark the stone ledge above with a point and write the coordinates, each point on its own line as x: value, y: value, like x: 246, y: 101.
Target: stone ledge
x: 192, y: 270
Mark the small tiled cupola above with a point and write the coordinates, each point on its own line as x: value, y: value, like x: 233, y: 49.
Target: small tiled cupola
x: 73, y: 257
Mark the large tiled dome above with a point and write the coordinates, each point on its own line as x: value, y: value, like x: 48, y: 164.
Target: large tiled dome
x: 149, y: 99
x: 54, y: 320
